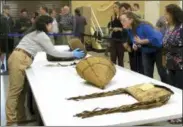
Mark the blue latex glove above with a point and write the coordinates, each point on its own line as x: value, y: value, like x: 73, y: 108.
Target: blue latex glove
x: 78, y: 53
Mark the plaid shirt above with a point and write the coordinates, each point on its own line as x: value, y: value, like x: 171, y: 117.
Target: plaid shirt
x: 67, y: 22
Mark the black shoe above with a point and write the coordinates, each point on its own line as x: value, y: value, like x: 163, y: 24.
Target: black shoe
x: 4, y: 73
x: 2, y: 66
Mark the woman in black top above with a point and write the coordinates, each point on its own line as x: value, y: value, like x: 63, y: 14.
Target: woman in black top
x: 119, y: 36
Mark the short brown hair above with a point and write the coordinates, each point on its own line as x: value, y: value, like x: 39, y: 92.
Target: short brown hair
x: 6, y: 7
x: 127, y: 6
x: 44, y: 8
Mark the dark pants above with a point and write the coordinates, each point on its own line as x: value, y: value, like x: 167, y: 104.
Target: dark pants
x: 176, y: 78
x: 117, y: 53
x: 7, y: 45
x: 136, y: 61
x: 81, y: 37
x: 149, y: 59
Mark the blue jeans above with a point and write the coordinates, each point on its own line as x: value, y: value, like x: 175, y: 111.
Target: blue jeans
x: 149, y: 59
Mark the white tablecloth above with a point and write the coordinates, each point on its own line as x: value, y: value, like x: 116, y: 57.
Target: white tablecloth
x: 52, y: 85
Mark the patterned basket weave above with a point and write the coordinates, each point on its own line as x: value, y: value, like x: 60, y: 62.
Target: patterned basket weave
x: 96, y: 70
x: 148, y: 95
x: 148, y: 92
x: 73, y: 44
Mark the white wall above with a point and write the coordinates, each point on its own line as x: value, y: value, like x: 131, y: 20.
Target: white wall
x: 181, y: 4
x: 152, y: 11
x: 1, y: 6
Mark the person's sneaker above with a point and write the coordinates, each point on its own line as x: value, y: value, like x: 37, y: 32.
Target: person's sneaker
x: 13, y: 125
x: 175, y: 121
x: 2, y: 67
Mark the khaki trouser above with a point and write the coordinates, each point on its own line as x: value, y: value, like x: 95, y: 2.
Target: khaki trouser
x: 66, y: 38
x: 15, y: 110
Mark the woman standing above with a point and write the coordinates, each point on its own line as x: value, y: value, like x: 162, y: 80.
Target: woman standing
x: 22, y: 58
x: 119, y: 36
x: 173, y: 46
x: 135, y: 57
x: 148, y: 40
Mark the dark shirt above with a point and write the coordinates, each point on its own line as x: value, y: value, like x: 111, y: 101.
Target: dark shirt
x: 6, y: 25
x: 173, y: 45
x: 116, y: 23
x: 22, y: 22
x: 119, y: 36
x: 66, y: 21
x: 79, y: 25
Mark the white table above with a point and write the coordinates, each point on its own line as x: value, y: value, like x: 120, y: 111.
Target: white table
x: 52, y: 85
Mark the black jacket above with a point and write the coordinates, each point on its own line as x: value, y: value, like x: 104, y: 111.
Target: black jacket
x: 22, y: 22
x: 6, y: 26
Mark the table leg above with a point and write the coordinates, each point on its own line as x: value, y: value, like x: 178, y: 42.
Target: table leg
x: 32, y: 106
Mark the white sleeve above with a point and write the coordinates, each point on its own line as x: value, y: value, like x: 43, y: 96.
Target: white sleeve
x: 48, y: 47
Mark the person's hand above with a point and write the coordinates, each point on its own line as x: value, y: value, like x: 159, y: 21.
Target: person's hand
x: 115, y: 29
x: 119, y: 29
x: 135, y: 47
x: 137, y: 40
x: 23, y: 28
x: 78, y: 53
x: 127, y: 47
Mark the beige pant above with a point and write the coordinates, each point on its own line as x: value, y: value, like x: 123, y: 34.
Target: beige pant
x: 66, y: 38
x: 15, y: 110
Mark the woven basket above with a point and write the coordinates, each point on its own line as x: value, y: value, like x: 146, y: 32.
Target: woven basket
x: 148, y: 92
x: 96, y: 70
x: 74, y: 43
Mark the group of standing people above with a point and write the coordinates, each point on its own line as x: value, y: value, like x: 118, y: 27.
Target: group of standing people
x: 63, y: 23
x: 148, y: 44
x: 35, y: 39
x: 161, y: 44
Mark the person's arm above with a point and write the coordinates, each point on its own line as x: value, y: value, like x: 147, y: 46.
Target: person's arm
x: 72, y: 21
x: 153, y: 37
x: 125, y: 40
x: 17, y: 26
x: 159, y: 23
x: 49, y: 48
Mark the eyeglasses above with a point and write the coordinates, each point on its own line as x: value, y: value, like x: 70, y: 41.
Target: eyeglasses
x: 124, y: 20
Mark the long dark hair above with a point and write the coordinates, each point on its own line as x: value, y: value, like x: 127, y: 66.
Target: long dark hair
x: 118, y: 4
x: 136, y: 21
x: 176, y: 12
x: 40, y: 24
x: 127, y: 6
